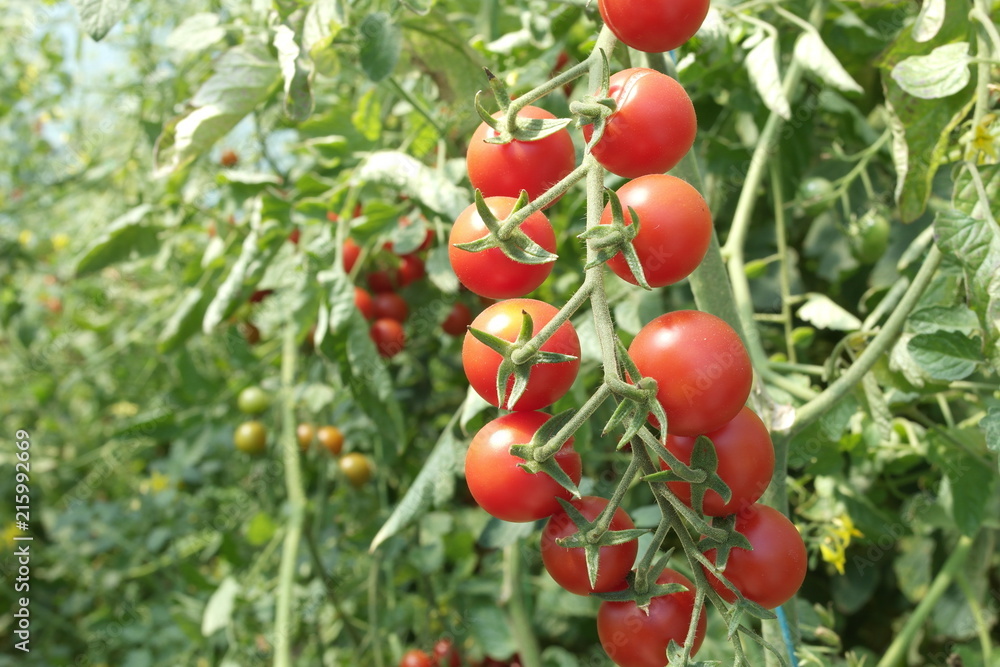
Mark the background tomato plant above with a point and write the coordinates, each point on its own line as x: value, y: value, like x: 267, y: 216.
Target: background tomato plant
x: 131, y: 244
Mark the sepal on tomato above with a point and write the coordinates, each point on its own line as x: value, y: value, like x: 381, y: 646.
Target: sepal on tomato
x: 518, y: 246
x: 537, y: 459
x: 732, y: 540
x: 637, y: 405
x: 609, y: 240
x: 592, y: 548
x: 703, y: 459
x: 520, y: 371
x: 524, y: 129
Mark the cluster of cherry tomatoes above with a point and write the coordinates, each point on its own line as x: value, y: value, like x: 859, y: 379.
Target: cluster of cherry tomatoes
x: 250, y: 437
x: 702, y: 370
x: 383, y: 305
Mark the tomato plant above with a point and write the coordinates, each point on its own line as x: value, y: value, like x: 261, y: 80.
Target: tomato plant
x: 652, y: 128
x: 702, y: 370
x: 253, y: 400
x: 568, y: 565
x: 490, y: 273
x: 673, y: 238
x: 500, y: 485
x: 547, y: 382
x: 746, y: 463
x: 634, y: 637
x: 653, y: 25
x: 250, y: 437
x: 504, y: 170
x: 772, y: 572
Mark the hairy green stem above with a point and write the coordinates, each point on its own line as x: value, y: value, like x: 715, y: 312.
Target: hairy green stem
x: 878, y: 346
x: 331, y: 589
x: 543, y: 201
x: 296, y: 502
x: 567, y: 311
x: 896, y: 653
x: 521, y: 626
x: 581, y: 417
x: 785, y: 271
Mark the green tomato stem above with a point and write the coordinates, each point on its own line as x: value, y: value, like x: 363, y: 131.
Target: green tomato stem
x: 896, y: 653
x: 567, y: 311
x: 582, y: 416
x: 520, y: 618
x: 296, y: 502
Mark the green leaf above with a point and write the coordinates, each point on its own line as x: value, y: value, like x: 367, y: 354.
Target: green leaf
x: 930, y: 20
x: 297, y: 74
x: 490, y: 629
x: 242, y: 278
x: 323, y: 21
x: 196, y: 33
x: 433, y: 486
x: 944, y: 318
x: 498, y: 534
x: 367, y: 117
x: 414, y: 179
x: 126, y: 236
x: 990, y: 425
x: 914, y: 566
x: 968, y: 488
x: 242, y: 78
x: 943, y: 72
x: 817, y: 58
x: 822, y: 312
x: 184, y: 321
x: 922, y: 128
x: 380, y: 45
x: 946, y: 355
x: 219, y: 610
x: 762, y: 65
x: 98, y: 17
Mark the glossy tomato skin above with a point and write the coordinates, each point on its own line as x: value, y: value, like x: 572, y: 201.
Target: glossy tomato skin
x: 253, y: 400
x: 381, y: 281
x: 490, y: 273
x: 746, y: 463
x: 411, y: 269
x: 332, y: 438
x: 633, y: 638
x: 416, y: 658
x: 305, y: 434
x: 505, y: 169
x: 505, y: 490
x: 458, y: 320
x: 653, y: 25
x: 773, y: 571
x: 568, y: 567
x: 653, y: 127
x: 388, y: 336
x: 356, y: 468
x: 363, y: 302
x: 675, y: 228
x: 390, y: 305
x: 250, y: 437
x: 701, y: 366
x: 352, y: 251
x: 547, y: 383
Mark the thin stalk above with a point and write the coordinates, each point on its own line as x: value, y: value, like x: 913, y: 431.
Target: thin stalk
x: 373, y: 607
x: 566, y: 312
x: 331, y: 590
x: 581, y: 417
x: 296, y: 502
x: 878, y: 346
x: 896, y: 653
x: 982, y: 627
x: 543, y: 201
x: 785, y: 272
x: 520, y: 619
x: 417, y: 106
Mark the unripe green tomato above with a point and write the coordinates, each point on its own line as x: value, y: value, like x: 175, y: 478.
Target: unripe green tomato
x: 815, y: 195
x: 803, y: 336
x: 869, y: 236
x: 250, y: 437
x: 253, y: 400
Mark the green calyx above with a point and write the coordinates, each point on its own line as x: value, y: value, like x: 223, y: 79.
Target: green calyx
x: 520, y: 371
x: 590, y: 536
x: 539, y: 454
x: 609, y: 240
x: 702, y: 474
x: 512, y: 127
x: 638, y: 401
x: 514, y: 243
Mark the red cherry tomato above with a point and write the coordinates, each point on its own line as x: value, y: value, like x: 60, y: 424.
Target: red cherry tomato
x: 390, y: 305
x: 774, y: 570
x: 416, y: 658
x: 702, y: 369
x: 381, y: 280
x: 363, y: 302
x: 388, y: 336
x: 503, y: 170
x: 490, y: 273
x: 547, y: 383
x: 446, y: 655
x: 652, y: 129
x: 500, y: 486
x: 352, y: 251
x: 653, y: 25
x: 635, y: 638
x: 260, y: 295
x: 411, y: 269
x: 746, y: 463
x: 458, y: 320
x: 568, y: 566
x: 293, y: 238
x: 675, y: 228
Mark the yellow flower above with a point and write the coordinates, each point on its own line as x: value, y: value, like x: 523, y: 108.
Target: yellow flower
x: 156, y: 483
x: 60, y: 241
x: 836, y: 539
x: 25, y: 237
